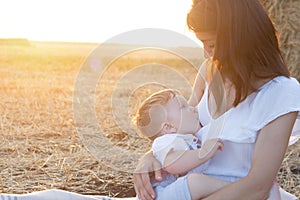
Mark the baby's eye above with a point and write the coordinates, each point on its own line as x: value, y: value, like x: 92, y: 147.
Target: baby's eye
x: 184, y: 105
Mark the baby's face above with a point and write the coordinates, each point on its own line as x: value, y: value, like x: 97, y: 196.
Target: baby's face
x: 182, y: 116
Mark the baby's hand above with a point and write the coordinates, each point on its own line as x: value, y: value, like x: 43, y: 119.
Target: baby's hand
x: 210, y: 148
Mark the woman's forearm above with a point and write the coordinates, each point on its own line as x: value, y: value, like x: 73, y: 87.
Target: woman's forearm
x: 243, y: 189
x: 268, y: 154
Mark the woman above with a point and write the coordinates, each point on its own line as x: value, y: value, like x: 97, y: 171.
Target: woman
x: 262, y: 102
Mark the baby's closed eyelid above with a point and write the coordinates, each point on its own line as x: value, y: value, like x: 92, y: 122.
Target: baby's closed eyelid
x: 184, y: 105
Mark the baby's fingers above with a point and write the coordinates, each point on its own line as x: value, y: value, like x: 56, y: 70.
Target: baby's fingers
x: 220, y: 145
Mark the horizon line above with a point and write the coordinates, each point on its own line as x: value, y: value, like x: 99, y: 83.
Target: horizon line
x: 7, y: 39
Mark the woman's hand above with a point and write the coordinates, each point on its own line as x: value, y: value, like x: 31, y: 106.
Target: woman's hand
x: 141, y: 176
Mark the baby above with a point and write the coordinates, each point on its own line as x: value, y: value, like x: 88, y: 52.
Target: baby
x: 166, y: 119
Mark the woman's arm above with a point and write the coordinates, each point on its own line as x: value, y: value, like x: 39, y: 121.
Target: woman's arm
x: 180, y: 162
x: 268, y: 154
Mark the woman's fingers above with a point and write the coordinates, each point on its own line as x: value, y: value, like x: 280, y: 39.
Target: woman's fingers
x: 148, y: 191
x: 142, y: 186
x: 141, y: 177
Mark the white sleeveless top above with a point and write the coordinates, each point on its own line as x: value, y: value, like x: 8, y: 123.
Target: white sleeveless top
x: 239, y: 126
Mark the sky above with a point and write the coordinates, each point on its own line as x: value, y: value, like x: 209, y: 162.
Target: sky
x: 89, y: 20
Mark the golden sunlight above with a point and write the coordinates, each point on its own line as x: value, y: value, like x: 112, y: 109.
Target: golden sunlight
x: 89, y: 20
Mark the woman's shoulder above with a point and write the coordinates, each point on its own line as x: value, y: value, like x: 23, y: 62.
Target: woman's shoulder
x: 281, y: 85
x: 286, y: 81
x: 277, y: 97
x: 280, y: 89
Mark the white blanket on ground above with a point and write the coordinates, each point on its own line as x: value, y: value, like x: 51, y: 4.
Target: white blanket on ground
x: 65, y: 195
x: 56, y: 195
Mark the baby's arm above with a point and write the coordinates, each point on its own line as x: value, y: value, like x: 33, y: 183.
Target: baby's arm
x: 180, y: 162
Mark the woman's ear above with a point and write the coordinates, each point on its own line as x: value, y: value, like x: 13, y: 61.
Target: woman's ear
x: 168, y: 128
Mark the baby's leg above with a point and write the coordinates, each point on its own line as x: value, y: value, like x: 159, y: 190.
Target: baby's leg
x: 201, y: 185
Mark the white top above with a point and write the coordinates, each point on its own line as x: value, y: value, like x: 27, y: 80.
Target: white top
x: 163, y: 144
x: 161, y: 147
x: 240, y: 126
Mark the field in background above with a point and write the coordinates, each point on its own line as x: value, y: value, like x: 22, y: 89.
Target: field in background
x: 39, y: 145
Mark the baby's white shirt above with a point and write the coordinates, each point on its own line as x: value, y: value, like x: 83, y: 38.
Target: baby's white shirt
x: 162, y: 145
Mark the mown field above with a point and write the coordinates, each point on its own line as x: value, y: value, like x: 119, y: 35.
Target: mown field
x: 40, y: 145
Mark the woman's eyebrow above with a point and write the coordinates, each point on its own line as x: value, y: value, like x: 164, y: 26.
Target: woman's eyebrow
x: 207, y: 40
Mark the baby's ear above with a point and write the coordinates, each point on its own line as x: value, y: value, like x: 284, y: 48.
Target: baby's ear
x: 168, y: 128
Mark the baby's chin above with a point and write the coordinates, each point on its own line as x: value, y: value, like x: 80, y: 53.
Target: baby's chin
x: 198, y: 126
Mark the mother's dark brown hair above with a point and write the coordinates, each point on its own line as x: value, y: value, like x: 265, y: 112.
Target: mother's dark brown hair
x: 246, y: 48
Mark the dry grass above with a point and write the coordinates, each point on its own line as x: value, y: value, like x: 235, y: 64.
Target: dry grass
x: 40, y: 147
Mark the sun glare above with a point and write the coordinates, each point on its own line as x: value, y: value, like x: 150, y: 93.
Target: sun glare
x: 89, y: 20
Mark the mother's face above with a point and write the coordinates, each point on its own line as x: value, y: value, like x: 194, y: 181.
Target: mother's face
x: 208, y: 40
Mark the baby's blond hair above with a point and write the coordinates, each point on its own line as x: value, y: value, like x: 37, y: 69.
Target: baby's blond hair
x: 151, y: 114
